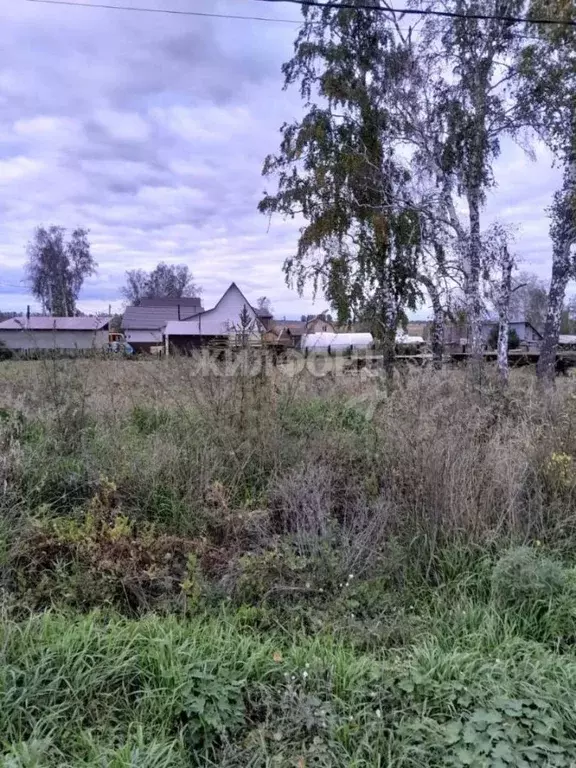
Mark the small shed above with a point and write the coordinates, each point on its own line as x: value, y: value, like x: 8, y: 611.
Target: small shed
x: 526, y: 332
x: 60, y: 333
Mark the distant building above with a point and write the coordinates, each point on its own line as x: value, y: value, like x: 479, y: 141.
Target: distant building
x: 144, y: 325
x: 231, y: 320
x: 419, y: 328
x: 525, y: 330
x: 293, y: 331
x: 59, y: 333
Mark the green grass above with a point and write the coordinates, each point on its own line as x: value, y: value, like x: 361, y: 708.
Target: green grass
x: 237, y: 573
x: 211, y: 691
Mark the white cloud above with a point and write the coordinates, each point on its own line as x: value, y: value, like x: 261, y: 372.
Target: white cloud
x: 17, y: 169
x: 124, y: 126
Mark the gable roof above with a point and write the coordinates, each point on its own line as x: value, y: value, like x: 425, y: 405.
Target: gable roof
x: 153, y: 318
x: 194, y: 303
x: 55, y: 323
x: 231, y: 287
x: 192, y: 326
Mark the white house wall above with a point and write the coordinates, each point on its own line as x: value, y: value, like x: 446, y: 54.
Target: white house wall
x: 144, y: 337
x: 28, y: 340
x: 217, y: 321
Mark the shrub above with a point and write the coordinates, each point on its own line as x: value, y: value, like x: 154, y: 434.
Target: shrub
x: 103, y: 557
x: 524, y: 576
x: 513, y: 338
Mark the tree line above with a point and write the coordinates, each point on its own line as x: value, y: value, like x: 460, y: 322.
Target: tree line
x: 404, y: 119
x: 57, y: 267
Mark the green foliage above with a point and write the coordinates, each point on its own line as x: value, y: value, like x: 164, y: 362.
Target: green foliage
x: 303, y: 586
x: 513, y: 338
x: 511, y: 732
x: 212, y: 707
x: 523, y: 577
x: 104, y: 558
x: 320, y: 414
x: 338, y: 168
x: 5, y: 353
x: 149, y: 420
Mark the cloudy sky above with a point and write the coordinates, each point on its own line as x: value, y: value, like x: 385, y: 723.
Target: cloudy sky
x: 150, y: 130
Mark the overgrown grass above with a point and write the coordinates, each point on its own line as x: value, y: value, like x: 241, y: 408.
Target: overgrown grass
x: 291, y: 571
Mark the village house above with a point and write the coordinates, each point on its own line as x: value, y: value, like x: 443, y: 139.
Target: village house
x: 525, y: 330
x: 456, y: 335
x: 65, y: 334
x: 231, y: 320
x: 144, y: 325
x: 290, y: 333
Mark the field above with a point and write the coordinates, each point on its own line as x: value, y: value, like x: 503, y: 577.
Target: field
x: 284, y: 570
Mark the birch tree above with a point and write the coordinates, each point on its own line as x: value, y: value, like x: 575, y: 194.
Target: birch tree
x: 338, y: 169
x: 548, y: 94
x: 499, y: 260
x: 57, y: 268
x: 458, y: 119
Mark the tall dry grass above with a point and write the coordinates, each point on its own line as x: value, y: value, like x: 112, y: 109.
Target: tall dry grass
x: 324, y: 463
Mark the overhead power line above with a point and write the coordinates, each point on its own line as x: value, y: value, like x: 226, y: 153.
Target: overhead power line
x: 171, y: 11
x: 311, y: 3
x: 425, y: 12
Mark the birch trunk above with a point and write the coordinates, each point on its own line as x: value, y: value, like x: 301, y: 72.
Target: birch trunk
x: 504, y: 315
x: 561, y: 269
x: 503, y: 330
x: 388, y: 322
x: 563, y: 234
x: 438, y: 336
x: 472, y: 270
x: 437, y: 331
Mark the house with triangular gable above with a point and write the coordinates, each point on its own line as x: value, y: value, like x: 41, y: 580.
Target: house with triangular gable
x: 232, y: 320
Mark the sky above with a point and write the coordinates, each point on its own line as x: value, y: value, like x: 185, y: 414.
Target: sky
x: 151, y: 130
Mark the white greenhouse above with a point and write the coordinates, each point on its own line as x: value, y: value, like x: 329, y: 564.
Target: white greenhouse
x: 334, y: 343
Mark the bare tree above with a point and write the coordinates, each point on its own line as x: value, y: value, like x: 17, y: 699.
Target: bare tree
x: 529, y: 299
x: 264, y: 305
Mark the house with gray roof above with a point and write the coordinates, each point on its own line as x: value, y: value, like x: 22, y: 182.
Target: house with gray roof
x: 222, y: 323
x: 144, y: 325
x: 59, y: 333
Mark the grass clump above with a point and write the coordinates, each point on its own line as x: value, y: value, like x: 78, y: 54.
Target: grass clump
x: 524, y: 577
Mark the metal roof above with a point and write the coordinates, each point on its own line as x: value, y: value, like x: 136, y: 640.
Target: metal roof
x: 194, y: 302
x: 296, y: 327
x: 55, y: 324
x: 153, y: 318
